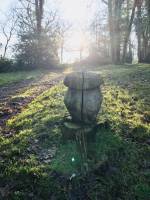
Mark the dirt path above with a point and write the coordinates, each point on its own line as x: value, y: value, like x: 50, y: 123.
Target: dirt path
x: 15, y: 96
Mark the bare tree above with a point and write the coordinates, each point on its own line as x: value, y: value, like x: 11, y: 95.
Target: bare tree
x: 8, y: 29
x: 38, y: 33
x: 135, y: 4
x: 63, y: 30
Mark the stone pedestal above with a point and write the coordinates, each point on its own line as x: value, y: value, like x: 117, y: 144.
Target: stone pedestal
x: 72, y: 131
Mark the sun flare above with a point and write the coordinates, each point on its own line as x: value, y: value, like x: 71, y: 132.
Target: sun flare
x: 76, y: 13
x: 77, y: 41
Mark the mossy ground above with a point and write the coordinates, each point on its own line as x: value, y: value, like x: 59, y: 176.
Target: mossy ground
x: 35, y: 164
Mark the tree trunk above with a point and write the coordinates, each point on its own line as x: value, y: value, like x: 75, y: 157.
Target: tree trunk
x: 146, y: 34
x: 139, y: 33
x: 39, y: 4
x: 114, y: 12
x: 117, y: 30
x: 5, y: 49
x: 110, y: 19
x: 127, y: 36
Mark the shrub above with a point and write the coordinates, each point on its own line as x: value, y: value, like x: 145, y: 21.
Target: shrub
x: 6, y: 65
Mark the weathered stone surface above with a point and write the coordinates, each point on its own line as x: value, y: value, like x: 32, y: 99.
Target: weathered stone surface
x: 83, y: 108
x: 82, y: 80
x: 70, y: 130
x: 83, y: 98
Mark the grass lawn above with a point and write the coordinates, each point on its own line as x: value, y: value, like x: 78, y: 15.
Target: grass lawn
x: 35, y: 164
x: 10, y: 77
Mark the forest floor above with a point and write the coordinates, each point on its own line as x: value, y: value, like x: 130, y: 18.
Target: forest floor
x: 35, y: 164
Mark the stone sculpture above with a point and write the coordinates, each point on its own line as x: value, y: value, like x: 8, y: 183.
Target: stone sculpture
x: 83, y: 98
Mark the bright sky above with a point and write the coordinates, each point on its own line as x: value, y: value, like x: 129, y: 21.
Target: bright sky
x: 76, y: 12
x: 6, y: 4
